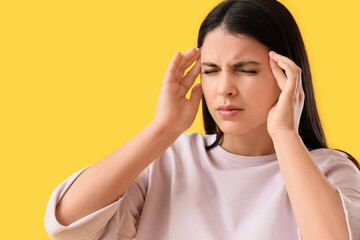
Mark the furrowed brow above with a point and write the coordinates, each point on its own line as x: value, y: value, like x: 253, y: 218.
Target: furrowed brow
x: 236, y: 65
x: 209, y: 64
x: 241, y: 64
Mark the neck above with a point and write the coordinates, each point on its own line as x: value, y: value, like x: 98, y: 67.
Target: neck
x: 256, y: 142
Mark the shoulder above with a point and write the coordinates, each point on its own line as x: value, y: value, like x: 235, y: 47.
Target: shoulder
x: 329, y: 160
x: 339, y: 170
x: 187, y: 152
x: 191, y: 145
x: 328, y: 153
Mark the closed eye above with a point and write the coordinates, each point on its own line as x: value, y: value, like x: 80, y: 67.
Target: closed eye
x: 208, y: 72
x: 244, y: 71
x: 249, y: 71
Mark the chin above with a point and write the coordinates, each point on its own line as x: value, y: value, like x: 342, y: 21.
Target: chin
x: 233, y: 128
x: 237, y: 128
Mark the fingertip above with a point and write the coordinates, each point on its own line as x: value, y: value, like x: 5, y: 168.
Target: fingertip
x: 272, y: 62
x: 274, y: 56
x: 197, y: 51
x: 176, y: 56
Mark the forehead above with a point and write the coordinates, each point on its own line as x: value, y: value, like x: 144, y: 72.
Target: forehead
x: 222, y: 48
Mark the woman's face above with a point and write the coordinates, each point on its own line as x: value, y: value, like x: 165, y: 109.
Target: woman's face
x: 237, y: 82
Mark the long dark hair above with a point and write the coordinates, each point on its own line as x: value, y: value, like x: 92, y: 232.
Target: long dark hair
x: 271, y: 24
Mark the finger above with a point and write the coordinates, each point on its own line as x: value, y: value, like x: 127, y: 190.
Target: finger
x: 292, y: 77
x: 186, y: 61
x: 196, y: 94
x: 191, y: 75
x: 295, y: 69
x: 276, y: 56
x: 278, y: 74
x: 302, y: 92
x: 188, y: 58
x: 171, y: 70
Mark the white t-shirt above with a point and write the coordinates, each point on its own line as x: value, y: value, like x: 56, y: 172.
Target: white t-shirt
x: 190, y: 193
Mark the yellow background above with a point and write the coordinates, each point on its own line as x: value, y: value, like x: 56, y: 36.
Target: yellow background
x: 79, y: 78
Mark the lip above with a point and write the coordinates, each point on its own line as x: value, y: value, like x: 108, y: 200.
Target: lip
x: 228, y: 110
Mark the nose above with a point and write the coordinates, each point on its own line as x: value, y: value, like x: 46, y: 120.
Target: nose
x: 226, y: 86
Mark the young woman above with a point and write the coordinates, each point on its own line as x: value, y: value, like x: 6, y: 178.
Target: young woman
x: 262, y: 171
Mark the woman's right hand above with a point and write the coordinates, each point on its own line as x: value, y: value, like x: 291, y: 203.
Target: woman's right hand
x: 174, y: 111
x: 107, y: 180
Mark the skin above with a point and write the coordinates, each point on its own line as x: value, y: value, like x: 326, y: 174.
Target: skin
x: 271, y: 118
x: 251, y: 87
x: 272, y: 103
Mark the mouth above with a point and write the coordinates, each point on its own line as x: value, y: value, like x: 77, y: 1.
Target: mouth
x: 228, y: 111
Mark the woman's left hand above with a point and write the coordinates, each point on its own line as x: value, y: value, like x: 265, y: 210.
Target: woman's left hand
x: 286, y: 112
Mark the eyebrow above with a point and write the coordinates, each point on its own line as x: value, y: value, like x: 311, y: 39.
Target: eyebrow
x: 236, y: 65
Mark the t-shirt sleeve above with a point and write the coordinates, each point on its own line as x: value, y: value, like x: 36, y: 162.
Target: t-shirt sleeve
x: 118, y: 220
x: 345, y: 177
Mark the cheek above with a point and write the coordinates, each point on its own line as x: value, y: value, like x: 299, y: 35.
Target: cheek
x: 208, y: 89
x: 274, y: 89
x: 272, y: 95
x: 272, y: 84
x: 264, y: 93
x: 206, y: 93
